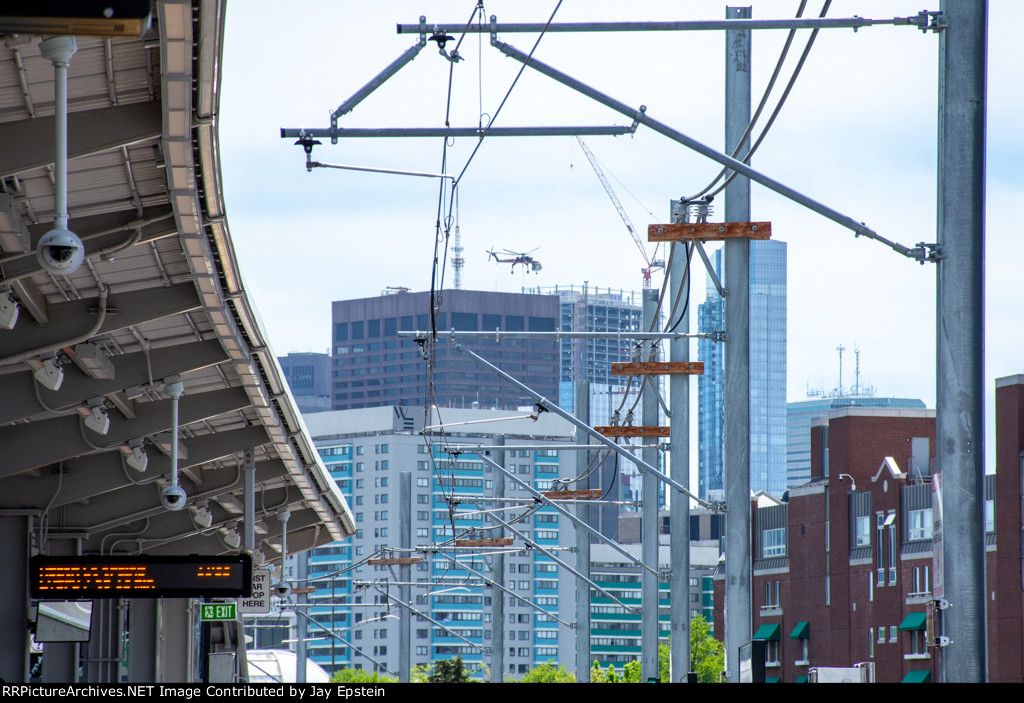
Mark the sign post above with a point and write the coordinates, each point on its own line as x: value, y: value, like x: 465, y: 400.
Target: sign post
x: 259, y: 601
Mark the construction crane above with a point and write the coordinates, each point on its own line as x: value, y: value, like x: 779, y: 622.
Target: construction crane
x: 652, y: 264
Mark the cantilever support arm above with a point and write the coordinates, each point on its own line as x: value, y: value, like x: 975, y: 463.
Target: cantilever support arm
x: 548, y: 405
x: 568, y: 568
x: 919, y: 253
x: 562, y: 511
x: 399, y: 602
x: 379, y: 80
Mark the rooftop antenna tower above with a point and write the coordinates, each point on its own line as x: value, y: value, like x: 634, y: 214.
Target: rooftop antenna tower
x: 856, y: 376
x: 840, y: 349
x: 458, y: 261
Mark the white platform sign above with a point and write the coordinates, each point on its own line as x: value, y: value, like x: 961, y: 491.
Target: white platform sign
x: 259, y: 602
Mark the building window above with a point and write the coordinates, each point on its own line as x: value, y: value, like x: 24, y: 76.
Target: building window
x: 892, y: 547
x: 921, y: 581
x: 919, y: 525
x: 771, y: 653
x: 863, y: 531
x: 771, y: 594
x: 880, y: 559
x: 917, y: 645
x: 773, y: 542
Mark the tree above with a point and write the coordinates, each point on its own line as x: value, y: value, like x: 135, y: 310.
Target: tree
x: 360, y: 676
x: 598, y: 675
x: 449, y: 671
x: 631, y: 672
x: 548, y: 673
x: 420, y: 674
x: 664, y: 658
x: 706, y: 653
x: 707, y: 656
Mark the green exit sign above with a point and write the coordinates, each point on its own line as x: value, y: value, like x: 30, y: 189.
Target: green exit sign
x: 218, y: 611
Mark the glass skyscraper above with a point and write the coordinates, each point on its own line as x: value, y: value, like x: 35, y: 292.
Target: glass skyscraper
x: 767, y: 374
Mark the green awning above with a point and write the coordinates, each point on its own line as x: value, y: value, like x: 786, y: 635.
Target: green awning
x: 924, y: 676
x: 801, y: 679
x: 914, y: 621
x: 801, y: 631
x: 773, y: 679
x: 770, y: 633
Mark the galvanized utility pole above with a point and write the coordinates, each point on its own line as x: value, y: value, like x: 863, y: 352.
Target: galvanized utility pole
x: 649, y: 516
x: 581, y: 403
x: 960, y: 432
x: 498, y: 574
x: 679, y: 453
x: 737, y: 354
x: 405, y: 575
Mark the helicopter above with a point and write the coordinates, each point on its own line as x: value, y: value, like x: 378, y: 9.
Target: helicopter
x: 523, y: 258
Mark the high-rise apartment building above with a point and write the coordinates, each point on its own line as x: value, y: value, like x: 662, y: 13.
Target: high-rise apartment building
x: 767, y: 374
x: 366, y: 451
x: 373, y: 366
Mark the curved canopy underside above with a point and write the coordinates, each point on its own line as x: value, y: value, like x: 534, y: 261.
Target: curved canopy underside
x: 144, y: 195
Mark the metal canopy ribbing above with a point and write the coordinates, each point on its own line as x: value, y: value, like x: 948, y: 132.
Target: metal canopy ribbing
x: 144, y: 195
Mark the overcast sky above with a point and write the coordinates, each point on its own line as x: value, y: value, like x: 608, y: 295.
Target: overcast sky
x: 858, y: 133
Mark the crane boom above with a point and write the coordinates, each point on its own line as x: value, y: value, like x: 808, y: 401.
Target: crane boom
x: 615, y: 201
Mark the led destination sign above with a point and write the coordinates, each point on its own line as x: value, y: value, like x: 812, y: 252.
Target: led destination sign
x: 72, y: 578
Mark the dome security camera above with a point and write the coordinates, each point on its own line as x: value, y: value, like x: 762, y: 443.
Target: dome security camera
x: 282, y: 589
x: 173, y: 498
x: 60, y: 252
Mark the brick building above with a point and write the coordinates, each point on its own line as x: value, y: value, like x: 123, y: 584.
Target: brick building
x: 843, y: 571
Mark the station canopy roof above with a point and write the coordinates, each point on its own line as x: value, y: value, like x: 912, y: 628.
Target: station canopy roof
x: 159, y: 297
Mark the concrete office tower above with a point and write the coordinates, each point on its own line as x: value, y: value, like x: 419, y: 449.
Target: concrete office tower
x: 309, y: 378
x: 767, y: 374
x: 366, y: 450
x: 374, y: 367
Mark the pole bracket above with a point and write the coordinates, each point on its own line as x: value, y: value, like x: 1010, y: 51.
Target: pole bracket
x: 929, y: 21
x: 926, y: 252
